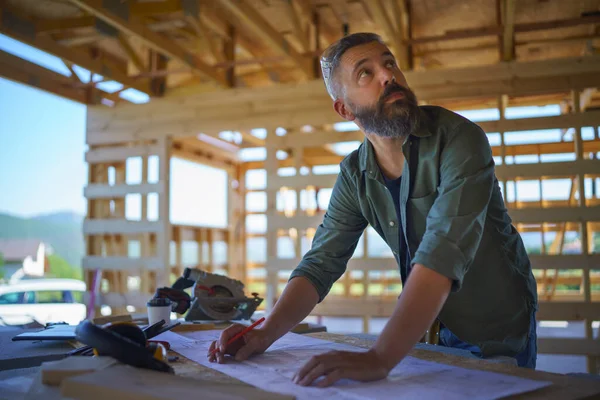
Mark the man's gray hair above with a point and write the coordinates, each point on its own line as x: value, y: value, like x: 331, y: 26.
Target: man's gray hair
x: 331, y: 57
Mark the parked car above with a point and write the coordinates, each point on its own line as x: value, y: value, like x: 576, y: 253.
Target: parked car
x: 42, y: 300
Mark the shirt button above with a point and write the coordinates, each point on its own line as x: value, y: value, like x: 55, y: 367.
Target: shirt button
x: 392, y: 223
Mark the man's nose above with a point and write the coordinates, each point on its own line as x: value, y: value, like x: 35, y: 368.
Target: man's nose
x: 387, y: 77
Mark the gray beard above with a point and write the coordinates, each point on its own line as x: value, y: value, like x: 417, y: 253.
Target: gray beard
x: 395, y: 120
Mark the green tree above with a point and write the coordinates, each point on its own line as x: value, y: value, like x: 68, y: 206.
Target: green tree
x: 60, y: 268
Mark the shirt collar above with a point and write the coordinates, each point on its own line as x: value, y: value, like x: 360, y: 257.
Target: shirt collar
x: 367, y: 161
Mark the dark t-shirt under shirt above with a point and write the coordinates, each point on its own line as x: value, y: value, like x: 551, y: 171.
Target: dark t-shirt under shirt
x: 393, y: 186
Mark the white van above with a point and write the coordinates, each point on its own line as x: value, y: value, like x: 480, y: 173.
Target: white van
x: 42, y: 300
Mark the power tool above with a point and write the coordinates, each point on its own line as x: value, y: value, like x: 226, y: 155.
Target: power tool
x: 213, y: 297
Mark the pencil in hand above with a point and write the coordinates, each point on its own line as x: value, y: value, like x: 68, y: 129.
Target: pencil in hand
x: 239, y: 335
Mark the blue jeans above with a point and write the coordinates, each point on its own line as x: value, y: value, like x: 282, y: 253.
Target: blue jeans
x: 526, y: 358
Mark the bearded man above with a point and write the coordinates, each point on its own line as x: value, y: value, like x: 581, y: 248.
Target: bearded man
x: 424, y: 180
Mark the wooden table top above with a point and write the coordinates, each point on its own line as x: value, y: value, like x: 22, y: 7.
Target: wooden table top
x: 563, y: 386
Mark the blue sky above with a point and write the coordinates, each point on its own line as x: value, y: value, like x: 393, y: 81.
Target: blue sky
x: 42, y: 151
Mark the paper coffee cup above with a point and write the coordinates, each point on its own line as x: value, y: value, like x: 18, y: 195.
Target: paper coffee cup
x: 159, y: 309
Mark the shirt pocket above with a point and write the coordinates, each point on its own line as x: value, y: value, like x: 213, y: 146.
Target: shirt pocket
x: 418, y: 209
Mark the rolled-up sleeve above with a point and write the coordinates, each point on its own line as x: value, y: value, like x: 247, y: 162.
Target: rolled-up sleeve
x: 456, y: 220
x: 335, y: 238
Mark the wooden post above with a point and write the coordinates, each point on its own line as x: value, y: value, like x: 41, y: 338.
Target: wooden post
x: 164, y: 235
x: 271, y: 171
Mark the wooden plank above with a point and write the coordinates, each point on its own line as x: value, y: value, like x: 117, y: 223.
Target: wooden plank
x: 547, y: 170
x: 153, y: 40
x: 121, y: 263
x: 382, y: 18
x: 300, y: 222
x: 129, y: 50
x: 258, y: 25
x: 351, y: 307
x: 299, y: 182
x: 296, y: 25
x: 564, y: 121
x: 567, y: 311
x: 354, y: 264
x: 164, y: 216
x: 455, y: 83
x: 508, y: 42
x: 103, y: 191
x: 110, y: 154
x: 532, y: 215
x: 22, y: 71
x: 146, y: 123
x: 590, y: 347
x: 566, y: 261
x: 115, y: 226
x: 22, y: 29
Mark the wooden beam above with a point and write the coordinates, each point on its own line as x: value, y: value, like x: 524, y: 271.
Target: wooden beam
x: 546, y: 170
x: 22, y: 71
x: 295, y: 105
x: 257, y: 24
x: 121, y: 263
x: 154, y: 8
x: 202, y: 33
x: 299, y: 33
x: 164, y: 46
x: 129, y: 50
x: 566, y: 311
x: 21, y: 28
x: 571, y: 346
x: 110, y: 154
x: 566, y: 261
x: 508, y: 39
x: 63, y: 24
x: 119, y: 226
x: 382, y: 19
x: 499, y: 30
x: 104, y: 191
x: 538, y: 215
x: 229, y: 53
x: 402, y: 11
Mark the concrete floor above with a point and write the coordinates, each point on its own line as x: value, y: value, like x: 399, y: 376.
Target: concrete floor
x: 545, y: 362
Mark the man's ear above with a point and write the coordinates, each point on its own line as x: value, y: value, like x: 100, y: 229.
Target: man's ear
x: 342, y: 110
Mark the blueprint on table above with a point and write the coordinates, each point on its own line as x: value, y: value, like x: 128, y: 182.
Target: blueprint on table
x: 412, y: 378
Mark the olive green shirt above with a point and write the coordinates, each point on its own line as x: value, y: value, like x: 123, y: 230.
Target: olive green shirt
x: 455, y: 222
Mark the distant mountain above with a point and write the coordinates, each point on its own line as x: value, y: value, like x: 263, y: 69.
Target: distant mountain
x: 63, y: 231
x: 67, y: 217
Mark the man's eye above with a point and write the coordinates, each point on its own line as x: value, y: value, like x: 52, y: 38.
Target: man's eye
x: 391, y: 64
x: 363, y: 73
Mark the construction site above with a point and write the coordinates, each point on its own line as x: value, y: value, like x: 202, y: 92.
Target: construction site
x: 237, y: 87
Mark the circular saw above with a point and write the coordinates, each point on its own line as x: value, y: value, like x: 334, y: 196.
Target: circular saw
x: 214, y: 297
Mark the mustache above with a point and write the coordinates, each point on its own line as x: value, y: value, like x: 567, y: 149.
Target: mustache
x: 394, y: 88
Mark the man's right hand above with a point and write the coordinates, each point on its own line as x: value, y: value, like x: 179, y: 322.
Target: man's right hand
x: 254, y: 342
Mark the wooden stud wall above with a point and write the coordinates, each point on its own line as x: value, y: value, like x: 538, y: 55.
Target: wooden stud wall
x: 126, y: 279
x: 371, y: 285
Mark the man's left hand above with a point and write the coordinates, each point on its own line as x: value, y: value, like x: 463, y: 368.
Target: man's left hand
x: 336, y: 365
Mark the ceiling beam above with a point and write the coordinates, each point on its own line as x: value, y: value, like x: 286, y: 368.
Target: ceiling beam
x: 132, y: 27
x: 22, y: 71
x: 508, y: 37
x: 23, y: 29
x: 257, y: 24
x: 499, y: 30
x: 130, y: 51
x: 63, y: 24
x: 382, y: 19
x: 402, y: 12
x: 294, y: 18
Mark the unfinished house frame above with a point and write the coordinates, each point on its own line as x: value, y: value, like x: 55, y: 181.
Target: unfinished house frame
x: 210, y: 67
